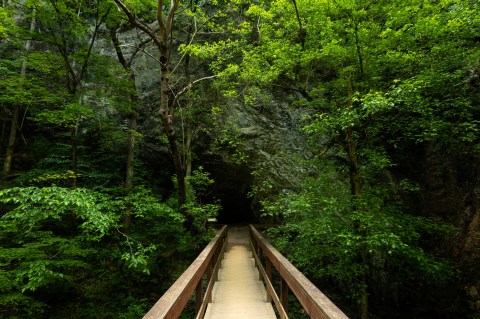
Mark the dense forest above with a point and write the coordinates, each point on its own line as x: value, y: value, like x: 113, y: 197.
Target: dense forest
x: 351, y: 128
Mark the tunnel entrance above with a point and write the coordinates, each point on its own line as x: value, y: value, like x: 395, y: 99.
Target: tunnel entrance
x: 236, y: 209
x: 231, y: 187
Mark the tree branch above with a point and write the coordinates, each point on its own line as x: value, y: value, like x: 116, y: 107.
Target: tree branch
x: 134, y: 21
x: 188, y: 87
x: 98, y: 23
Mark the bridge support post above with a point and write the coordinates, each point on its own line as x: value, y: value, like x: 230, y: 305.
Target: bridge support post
x: 210, y: 267
x: 284, y: 295
x: 198, y: 296
x: 268, y: 271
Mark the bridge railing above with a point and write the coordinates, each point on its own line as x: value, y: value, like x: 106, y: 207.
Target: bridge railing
x: 313, y: 301
x: 172, y: 303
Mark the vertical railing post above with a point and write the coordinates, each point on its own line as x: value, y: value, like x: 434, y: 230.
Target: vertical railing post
x: 268, y: 270
x: 284, y: 295
x: 260, y: 258
x: 210, y: 268
x: 198, y: 296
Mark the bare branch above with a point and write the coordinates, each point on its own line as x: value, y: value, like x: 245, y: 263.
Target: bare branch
x: 189, y: 86
x: 189, y: 43
x: 134, y: 21
x: 144, y: 51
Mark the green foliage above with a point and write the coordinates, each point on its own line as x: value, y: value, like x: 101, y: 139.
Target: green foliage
x: 67, y: 117
x: 198, y: 186
x: 53, y: 238
x: 34, y: 205
x: 7, y: 24
x: 326, y: 239
x: 382, y: 77
x: 31, y: 89
x: 228, y: 138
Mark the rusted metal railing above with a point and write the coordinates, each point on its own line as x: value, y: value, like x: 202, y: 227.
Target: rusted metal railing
x: 172, y: 303
x: 314, y: 302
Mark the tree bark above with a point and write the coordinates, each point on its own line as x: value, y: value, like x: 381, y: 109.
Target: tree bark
x: 167, y: 120
x: 163, y: 41
x: 132, y: 119
x: 7, y: 164
x: 354, y: 169
x: 74, y: 154
x: 188, y: 150
x: 130, y: 171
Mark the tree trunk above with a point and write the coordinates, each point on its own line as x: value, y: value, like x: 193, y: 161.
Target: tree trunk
x: 162, y: 38
x: 188, y: 150
x: 74, y: 146
x: 130, y: 171
x: 7, y: 164
x: 354, y: 169
x: 132, y: 126
x: 167, y: 120
x: 132, y: 120
x: 4, y: 128
x: 356, y: 190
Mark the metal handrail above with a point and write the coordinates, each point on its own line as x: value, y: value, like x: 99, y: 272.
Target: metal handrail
x: 313, y: 301
x: 172, y: 303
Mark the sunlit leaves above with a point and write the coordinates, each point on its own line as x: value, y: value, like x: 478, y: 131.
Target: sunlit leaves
x: 68, y: 117
x: 7, y: 25
x: 35, y: 205
x: 137, y: 257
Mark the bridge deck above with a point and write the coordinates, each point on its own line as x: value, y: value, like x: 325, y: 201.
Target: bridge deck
x: 239, y: 293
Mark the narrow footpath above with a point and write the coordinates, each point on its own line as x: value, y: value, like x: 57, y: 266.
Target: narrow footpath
x: 238, y: 293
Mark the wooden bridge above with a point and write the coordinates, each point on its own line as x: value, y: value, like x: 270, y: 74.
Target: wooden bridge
x: 232, y: 278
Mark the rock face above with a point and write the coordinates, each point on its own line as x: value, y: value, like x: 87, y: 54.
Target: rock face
x: 266, y: 139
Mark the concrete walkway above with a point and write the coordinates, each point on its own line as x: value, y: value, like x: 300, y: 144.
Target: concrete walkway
x: 239, y: 293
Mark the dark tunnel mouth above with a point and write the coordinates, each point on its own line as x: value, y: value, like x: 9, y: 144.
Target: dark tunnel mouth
x: 232, y: 186
x: 236, y: 210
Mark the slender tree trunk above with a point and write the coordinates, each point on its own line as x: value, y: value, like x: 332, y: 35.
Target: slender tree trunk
x: 163, y: 41
x: 359, y: 51
x: 7, y: 164
x: 132, y: 119
x: 130, y: 171
x: 2, y: 137
x: 167, y: 120
x: 356, y: 191
x: 188, y: 150
x: 74, y: 154
x: 354, y: 169
x: 132, y: 124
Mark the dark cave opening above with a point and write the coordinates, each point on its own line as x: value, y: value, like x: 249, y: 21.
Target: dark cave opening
x: 236, y: 209
x: 231, y: 187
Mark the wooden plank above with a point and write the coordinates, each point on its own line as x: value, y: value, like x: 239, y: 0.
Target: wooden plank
x: 238, y: 293
x: 315, y: 303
